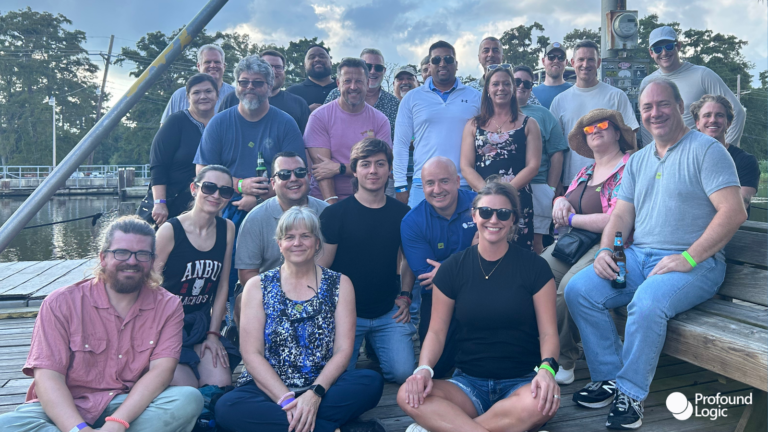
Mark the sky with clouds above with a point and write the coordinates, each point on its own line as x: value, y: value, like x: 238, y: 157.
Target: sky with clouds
x: 402, y: 29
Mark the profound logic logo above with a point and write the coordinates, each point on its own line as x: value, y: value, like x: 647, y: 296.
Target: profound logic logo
x: 712, y: 407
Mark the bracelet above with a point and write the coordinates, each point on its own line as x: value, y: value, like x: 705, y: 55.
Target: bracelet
x: 117, y: 420
x: 79, y: 427
x: 557, y: 198
x: 431, y: 372
x: 547, y: 367
x: 159, y: 201
x: 688, y: 258
x: 288, y: 395
x: 401, y: 189
x: 407, y: 298
x: 602, y: 249
x: 330, y: 198
x: 570, y: 219
x: 240, y: 186
x: 212, y: 333
x: 287, y: 402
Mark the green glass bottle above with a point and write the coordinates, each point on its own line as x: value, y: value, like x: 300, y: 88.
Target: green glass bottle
x: 261, y: 168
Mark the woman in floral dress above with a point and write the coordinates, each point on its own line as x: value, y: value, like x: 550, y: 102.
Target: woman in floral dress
x: 504, y: 143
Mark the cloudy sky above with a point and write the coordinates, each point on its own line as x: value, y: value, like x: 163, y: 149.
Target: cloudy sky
x: 402, y: 29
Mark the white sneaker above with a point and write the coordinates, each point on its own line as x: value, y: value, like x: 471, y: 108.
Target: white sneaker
x: 565, y: 376
x: 414, y: 427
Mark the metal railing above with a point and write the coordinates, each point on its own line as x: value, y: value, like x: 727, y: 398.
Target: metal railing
x: 22, y: 172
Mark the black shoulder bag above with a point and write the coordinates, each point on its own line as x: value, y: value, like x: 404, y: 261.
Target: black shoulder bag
x: 572, y: 246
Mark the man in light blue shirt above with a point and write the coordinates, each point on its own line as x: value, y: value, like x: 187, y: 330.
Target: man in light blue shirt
x: 555, y: 62
x: 434, y: 115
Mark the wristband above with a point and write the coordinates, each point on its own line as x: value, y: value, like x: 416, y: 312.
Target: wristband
x: 287, y: 402
x: 431, y: 372
x: 547, y: 367
x: 602, y: 249
x: 159, y: 201
x: 240, y: 186
x: 688, y: 258
x: 401, y: 189
x: 330, y: 198
x: 557, y: 198
x: 407, y: 298
x: 286, y: 396
x: 212, y: 333
x: 79, y: 427
x: 117, y: 420
x: 570, y: 219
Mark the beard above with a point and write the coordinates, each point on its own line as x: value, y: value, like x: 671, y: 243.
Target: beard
x: 318, y: 74
x: 250, y: 104
x: 122, y: 286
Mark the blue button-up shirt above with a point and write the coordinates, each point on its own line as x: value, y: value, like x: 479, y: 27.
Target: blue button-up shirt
x: 443, y: 94
x: 428, y: 235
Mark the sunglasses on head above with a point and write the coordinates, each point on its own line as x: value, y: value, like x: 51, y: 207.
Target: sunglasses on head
x: 486, y: 213
x: 256, y: 84
x: 603, y: 125
x: 553, y: 57
x: 496, y: 66
x: 375, y: 67
x: 448, y: 59
x: 285, y: 174
x: 525, y: 83
x: 210, y: 188
x: 669, y: 47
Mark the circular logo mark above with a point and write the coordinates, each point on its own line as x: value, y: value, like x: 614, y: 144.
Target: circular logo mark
x: 679, y: 406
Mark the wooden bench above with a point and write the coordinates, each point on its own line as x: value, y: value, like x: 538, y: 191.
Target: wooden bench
x: 728, y: 334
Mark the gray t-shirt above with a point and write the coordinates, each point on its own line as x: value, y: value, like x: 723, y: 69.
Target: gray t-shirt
x: 256, y: 244
x: 179, y: 102
x: 576, y: 102
x: 671, y: 195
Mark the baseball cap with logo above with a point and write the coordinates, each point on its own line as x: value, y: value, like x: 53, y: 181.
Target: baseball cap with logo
x: 554, y: 46
x: 660, y: 34
x: 408, y: 69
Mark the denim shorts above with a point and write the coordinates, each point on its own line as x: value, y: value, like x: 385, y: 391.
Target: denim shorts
x: 485, y: 392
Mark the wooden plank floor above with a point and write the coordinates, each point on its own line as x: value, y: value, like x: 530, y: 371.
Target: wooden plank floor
x: 37, y: 279
x: 671, y: 375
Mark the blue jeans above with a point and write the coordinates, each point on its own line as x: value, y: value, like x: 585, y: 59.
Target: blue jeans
x: 392, y: 343
x: 484, y: 392
x: 417, y: 193
x: 651, y: 302
x: 415, y: 308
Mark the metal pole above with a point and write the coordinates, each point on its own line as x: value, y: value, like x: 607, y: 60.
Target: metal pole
x: 103, y: 127
x: 605, y: 7
x: 107, y: 62
x: 53, y: 104
x: 738, y: 87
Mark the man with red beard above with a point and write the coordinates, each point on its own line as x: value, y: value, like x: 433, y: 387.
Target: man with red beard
x: 104, y: 350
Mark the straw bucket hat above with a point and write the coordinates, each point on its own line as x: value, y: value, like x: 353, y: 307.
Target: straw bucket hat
x: 577, y: 139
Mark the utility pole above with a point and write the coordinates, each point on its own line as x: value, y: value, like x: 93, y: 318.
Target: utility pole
x: 103, y: 86
x: 738, y: 87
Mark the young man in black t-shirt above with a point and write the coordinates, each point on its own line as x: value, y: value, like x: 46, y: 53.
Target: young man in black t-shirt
x: 362, y: 235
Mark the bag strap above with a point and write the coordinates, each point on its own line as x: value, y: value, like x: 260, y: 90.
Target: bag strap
x: 586, y: 183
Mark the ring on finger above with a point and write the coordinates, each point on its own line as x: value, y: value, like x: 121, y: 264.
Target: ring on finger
x: 556, y: 396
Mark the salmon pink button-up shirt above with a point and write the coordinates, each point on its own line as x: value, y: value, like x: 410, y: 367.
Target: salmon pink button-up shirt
x: 81, y: 336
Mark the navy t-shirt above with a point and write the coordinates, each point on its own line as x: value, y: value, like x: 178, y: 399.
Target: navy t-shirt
x: 546, y: 94
x: 234, y: 142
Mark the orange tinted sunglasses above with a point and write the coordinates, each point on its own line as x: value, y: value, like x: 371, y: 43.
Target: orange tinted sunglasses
x: 591, y: 129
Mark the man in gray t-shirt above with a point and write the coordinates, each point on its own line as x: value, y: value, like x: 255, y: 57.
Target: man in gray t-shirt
x: 681, y: 196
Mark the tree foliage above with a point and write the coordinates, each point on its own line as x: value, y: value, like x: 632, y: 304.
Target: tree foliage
x: 577, y: 35
x: 519, y: 48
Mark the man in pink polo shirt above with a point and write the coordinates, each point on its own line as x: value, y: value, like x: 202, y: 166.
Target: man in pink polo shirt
x: 105, y: 349
x: 335, y: 127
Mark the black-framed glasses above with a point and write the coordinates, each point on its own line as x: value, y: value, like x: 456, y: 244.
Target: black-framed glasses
x: 375, y: 67
x: 448, y: 59
x: 496, y: 66
x: 527, y: 84
x: 257, y: 84
x: 125, y: 255
x: 487, y: 212
x: 285, y: 174
x: 669, y: 47
x: 553, y: 57
x: 210, y: 188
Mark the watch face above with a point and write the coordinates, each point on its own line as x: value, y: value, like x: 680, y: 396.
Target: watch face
x: 318, y: 390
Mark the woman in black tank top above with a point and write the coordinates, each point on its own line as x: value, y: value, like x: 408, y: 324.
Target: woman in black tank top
x: 194, y: 254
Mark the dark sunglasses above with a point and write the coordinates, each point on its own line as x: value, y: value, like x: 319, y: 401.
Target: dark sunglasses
x: 526, y: 83
x: 375, y: 67
x: 487, y: 213
x: 210, y: 188
x: 125, y: 255
x: 496, y: 66
x: 448, y: 59
x: 285, y: 174
x: 669, y: 47
x: 553, y: 57
x: 256, y: 84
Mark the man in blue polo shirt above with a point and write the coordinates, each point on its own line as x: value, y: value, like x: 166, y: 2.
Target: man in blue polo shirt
x: 435, y: 229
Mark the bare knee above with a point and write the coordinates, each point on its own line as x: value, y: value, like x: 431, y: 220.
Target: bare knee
x: 184, y: 377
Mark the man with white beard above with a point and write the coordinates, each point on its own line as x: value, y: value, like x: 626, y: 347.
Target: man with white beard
x: 405, y: 81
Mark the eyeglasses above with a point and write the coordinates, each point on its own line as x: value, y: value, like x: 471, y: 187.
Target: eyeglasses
x: 256, y: 84
x: 591, y: 129
x: 553, y: 57
x: 669, y: 47
x: 448, y: 59
x: 125, y: 255
x: 487, y: 213
x: 375, y: 67
x: 278, y: 68
x: 210, y: 188
x: 525, y: 83
x: 496, y: 66
x: 285, y: 174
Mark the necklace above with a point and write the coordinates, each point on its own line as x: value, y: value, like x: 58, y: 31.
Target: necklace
x: 481, y: 265
x: 498, y: 130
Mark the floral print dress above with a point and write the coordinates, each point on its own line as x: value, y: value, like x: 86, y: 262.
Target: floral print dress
x: 503, y: 154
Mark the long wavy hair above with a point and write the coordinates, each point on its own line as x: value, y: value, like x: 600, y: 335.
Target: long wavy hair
x: 128, y: 225
x: 486, y: 106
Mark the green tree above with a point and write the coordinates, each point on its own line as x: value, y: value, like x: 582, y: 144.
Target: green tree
x: 39, y: 58
x: 577, y: 35
x: 519, y: 48
x: 294, y: 59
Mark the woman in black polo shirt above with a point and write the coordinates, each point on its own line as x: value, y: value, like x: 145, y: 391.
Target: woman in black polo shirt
x: 503, y: 298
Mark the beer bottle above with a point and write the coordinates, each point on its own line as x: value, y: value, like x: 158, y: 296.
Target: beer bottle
x: 621, y: 261
x: 261, y: 168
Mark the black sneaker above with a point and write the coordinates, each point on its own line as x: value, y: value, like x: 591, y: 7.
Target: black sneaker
x: 596, y: 394
x: 626, y: 413
x: 363, y: 426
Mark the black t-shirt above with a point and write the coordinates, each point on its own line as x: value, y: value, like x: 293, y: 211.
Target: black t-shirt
x: 499, y: 336
x: 312, y: 92
x: 746, y: 166
x: 368, y: 240
x: 173, y: 151
x: 293, y: 105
